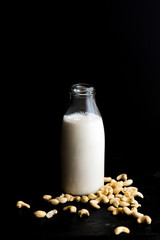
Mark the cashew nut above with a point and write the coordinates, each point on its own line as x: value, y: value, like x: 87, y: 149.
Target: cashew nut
x: 130, y: 191
x: 113, y: 180
x: 143, y: 219
x: 110, y: 196
x: 122, y: 176
x: 69, y: 197
x: 121, y: 229
x: 118, y: 195
x: 127, y: 182
x: 51, y: 213
x: 99, y: 193
x: 138, y: 194
x: 72, y: 209
x: 107, y: 179
x: 117, y: 190
x: 94, y: 204
x: 127, y: 194
x: 21, y: 204
x: 110, y: 189
x: 117, y: 184
x: 92, y: 196
x: 83, y: 212
x: 77, y: 198
x: 62, y: 199
x: 118, y: 210
x: 47, y: 197
x: 103, y: 199
x: 137, y: 214
x: 111, y: 208
x: 39, y: 214
x: 135, y: 204
x: 127, y: 211
x: 84, y: 199
x: 102, y: 191
x: 123, y: 204
x: 128, y: 199
x: 115, y: 201
x: 54, y: 201
x: 111, y: 184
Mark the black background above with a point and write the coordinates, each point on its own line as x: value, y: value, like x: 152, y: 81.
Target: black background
x: 114, y: 45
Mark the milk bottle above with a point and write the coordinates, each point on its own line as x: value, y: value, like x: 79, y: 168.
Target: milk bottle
x: 82, y: 143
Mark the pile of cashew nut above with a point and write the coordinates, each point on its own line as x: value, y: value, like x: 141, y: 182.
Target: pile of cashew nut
x: 118, y: 193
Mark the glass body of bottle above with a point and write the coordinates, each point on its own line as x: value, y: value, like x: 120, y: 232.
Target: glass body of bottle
x: 82, y: 143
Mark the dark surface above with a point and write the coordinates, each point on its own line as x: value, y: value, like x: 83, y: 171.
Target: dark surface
x: 113, y: 45
x: 100, y: 224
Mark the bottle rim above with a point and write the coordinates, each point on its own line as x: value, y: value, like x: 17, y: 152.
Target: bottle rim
x: 82, y: 89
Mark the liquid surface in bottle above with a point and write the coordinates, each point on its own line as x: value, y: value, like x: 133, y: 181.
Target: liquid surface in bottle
x: 82, y: 153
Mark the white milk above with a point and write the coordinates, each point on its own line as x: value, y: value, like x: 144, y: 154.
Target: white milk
x: 82, y: 153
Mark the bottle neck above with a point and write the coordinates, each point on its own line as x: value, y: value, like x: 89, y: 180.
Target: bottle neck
x: 82, y: 89
x: 82, y: 99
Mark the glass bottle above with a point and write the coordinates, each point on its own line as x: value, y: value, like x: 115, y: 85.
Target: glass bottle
x: 82, y: 143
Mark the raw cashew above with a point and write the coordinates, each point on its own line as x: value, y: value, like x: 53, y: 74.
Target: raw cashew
x: 107, y: 179
x: 77, y: 198
x: 137, y: 214
x: 121, y: 229
x: 40, y: 214
x: 47, y: 197
x: 111, y: 184
x: 94, y: 204
x: 127, y: 194
x: 62, y: 199
x: 83, y: 212
x: 118, y: 195
x: 113, y: 180
x: 72, y: 209
x: 117, y: 184
x: 135, y: 204
x: 54, y: 201
x: 127, y: 211
x: 51, y: 213
x: 130, y: 191
x: 118, y: 210
x: 110, y: 189
x: 103, y: 191
x: 99, y: 193
x: 21, y: 204
x: 69, y: 197
x: 128, y: 199
x: 115, y: 201
x: 122, y: 176
x: 138, y: 194
x: 143, y: 219
x: 102, y: 188
x: 84, y: 199
x: 111, y: 208
x: 92, y: 196
x: 123, y: 204
x: 62, y: 195
x: 117, y: 190
x: 110, y: 196
x: 103, y: 199
x: 127, y: 182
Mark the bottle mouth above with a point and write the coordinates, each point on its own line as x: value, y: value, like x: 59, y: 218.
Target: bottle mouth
x: 82, y: 89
